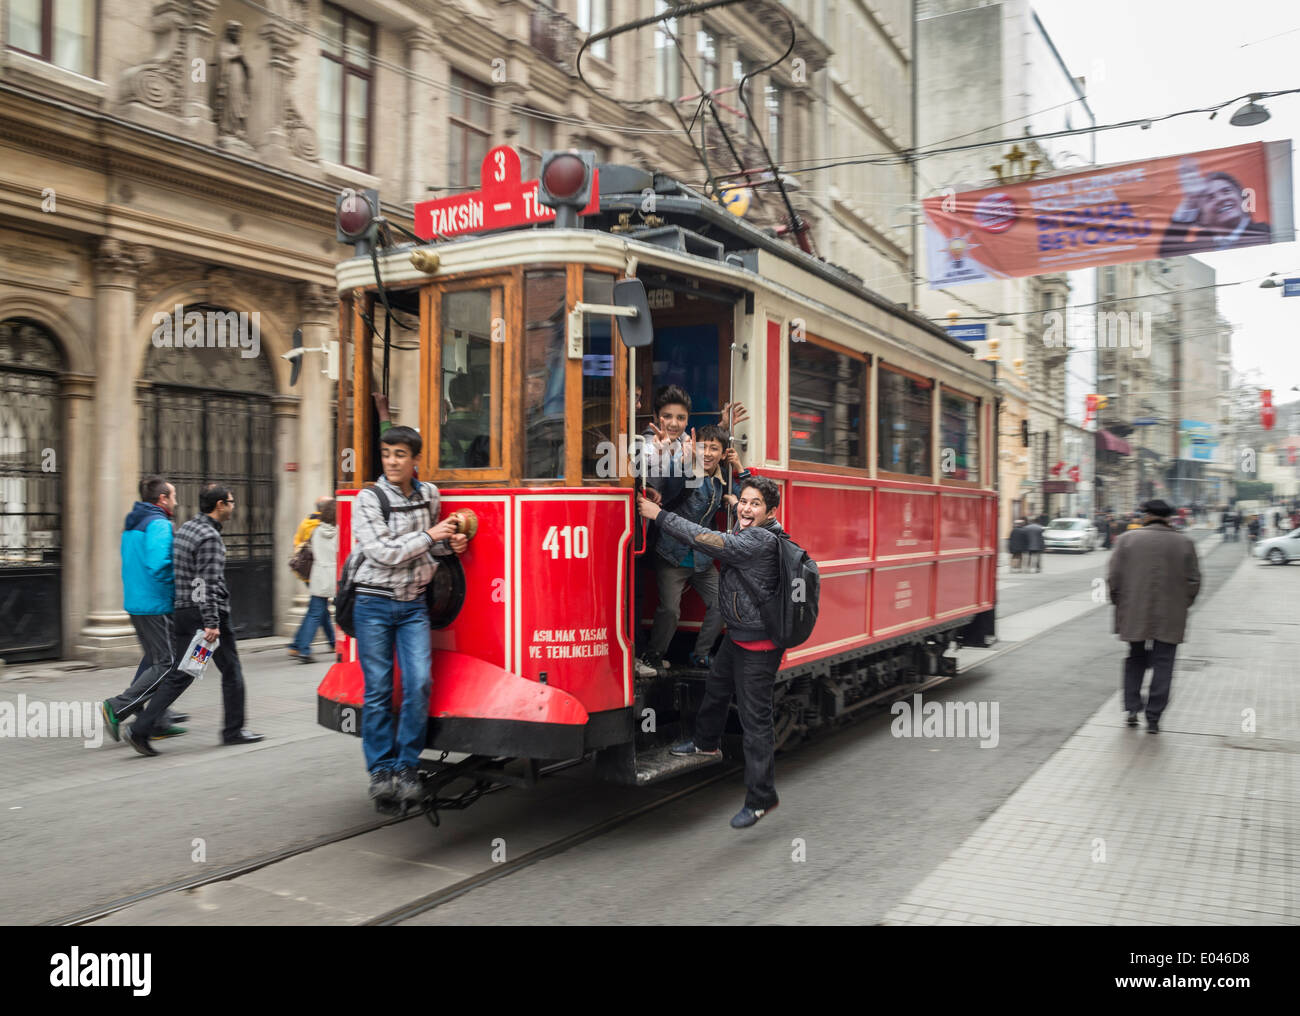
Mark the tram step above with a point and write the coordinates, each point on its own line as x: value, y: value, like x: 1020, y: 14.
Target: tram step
x: 661, y: 764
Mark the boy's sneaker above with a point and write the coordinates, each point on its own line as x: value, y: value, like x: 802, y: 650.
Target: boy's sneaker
x: 381, y: 785
x: 409, y: 789
x: 747, y: 816
x: 701, y: 661
x: 644, y: 669
x: 110, y: 720
x: 690, y: 748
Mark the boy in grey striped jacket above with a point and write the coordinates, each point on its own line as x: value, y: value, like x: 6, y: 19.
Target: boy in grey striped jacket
x: 391, y: 615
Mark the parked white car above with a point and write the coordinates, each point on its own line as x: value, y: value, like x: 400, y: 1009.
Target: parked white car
x: 1070, y: 534
x: 1280, y: 549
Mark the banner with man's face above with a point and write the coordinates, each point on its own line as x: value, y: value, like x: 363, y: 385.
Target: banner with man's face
x: 1136, y: 211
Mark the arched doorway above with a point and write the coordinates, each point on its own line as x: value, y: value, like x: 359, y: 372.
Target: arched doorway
x: 31, y: 419
x: 205, y: 414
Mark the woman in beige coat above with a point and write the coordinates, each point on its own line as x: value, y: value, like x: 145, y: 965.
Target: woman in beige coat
x: 1153, y: 578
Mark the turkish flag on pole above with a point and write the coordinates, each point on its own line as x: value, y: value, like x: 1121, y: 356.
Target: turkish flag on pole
x: 1074, y: 473
x: 1267, y: 417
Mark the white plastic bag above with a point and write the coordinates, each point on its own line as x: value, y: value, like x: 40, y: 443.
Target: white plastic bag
x: 198, y: 655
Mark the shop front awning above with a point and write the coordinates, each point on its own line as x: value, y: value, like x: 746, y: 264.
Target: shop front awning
x: 1109, y: 442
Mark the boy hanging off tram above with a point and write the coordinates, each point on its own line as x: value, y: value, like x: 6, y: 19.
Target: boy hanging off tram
x: 687, y: 479
x: 747, y: 662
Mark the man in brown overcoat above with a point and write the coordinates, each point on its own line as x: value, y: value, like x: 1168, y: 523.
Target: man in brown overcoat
x: 1153, y: 578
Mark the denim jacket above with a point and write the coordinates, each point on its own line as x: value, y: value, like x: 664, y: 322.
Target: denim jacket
x: 697, y: 504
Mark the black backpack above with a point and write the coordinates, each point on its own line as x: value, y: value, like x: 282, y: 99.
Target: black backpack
x: 345, y: 596
x: 791, y: 612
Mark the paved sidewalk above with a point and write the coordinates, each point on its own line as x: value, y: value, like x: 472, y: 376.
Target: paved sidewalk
x: 1194, y: 825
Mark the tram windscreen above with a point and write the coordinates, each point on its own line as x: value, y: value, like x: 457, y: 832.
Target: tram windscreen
x: 597, y: 377
x: 471, y: 379
x: 544, y: 369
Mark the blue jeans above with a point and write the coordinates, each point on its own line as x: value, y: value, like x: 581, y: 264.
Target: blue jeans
x: 317, y: 616
x: 382, y: 624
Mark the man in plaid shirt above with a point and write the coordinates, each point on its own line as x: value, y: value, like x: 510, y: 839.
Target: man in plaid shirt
x: 391, y: 613
x: 202, y: 601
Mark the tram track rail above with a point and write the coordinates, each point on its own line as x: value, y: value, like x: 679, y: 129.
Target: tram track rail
x: 232, y: 871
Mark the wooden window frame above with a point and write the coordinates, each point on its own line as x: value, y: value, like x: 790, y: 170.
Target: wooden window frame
x: 885, y: 474
x: 573, y: 391
x: 353, y: 70
x: 505, y: 366
x: 868, y: 414
x: 979, y: 444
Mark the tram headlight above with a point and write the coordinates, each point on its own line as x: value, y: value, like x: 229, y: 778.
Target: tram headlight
x: 355, y: 214
x: 565, y: 183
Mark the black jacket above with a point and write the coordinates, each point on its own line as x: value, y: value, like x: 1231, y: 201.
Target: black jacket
x: 1034, y: 536
x: 751, y: 551
x: 1018, y: 542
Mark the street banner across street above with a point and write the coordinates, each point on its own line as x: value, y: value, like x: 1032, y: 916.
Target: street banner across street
x: 1136, y: 211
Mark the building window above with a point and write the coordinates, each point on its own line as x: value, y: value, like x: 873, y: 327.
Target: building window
x: 471, y: 130
x: 903, y: 420
x: 593, y: 17
x: 535, y: 137
x: 706, y: 48
x: 959, y: 434
x: 347, y: 49
x: 668, y: 77
x: 828, y: 405
x: 774, y: 96
x: 61, y: 32
x: 739, y: 68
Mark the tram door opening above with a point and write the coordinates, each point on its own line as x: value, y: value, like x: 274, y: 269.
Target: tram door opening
x: 692, y: 346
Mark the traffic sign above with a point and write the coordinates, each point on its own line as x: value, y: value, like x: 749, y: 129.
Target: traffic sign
x: 503, y: 201
x: 1291, y: 287
x: 969, y: 333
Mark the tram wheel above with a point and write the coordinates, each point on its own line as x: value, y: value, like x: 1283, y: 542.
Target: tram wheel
x: 785, y: 716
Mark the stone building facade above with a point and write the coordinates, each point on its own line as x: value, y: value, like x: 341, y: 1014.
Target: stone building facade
x: 179, y: 162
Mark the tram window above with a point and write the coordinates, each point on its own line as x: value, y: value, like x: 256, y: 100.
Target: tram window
x: 471, y: 379
x: 959, y: 433
x: 597, y: 376
x: 544, y: 368
x: 828, y: 399
x: 903, y: 415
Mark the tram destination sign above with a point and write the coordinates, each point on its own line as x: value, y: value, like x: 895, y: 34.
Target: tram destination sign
x: 504, y: 200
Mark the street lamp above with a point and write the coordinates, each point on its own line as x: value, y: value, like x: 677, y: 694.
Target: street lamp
x: 1250, y: 115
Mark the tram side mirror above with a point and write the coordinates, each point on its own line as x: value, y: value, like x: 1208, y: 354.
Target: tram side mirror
x: 636, y: 332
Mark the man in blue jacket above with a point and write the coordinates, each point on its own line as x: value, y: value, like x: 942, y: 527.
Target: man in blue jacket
x: 147, y: 590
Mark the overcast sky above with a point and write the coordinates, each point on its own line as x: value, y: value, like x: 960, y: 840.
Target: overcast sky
x: 1150, y: 57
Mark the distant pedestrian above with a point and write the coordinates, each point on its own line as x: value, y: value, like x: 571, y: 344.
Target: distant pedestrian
x: 1103, y: 527
x: 202, y: 603
x: 1252, y: 532
x: 148, y: 587
x: 324, y: 566
x: 1034, y: 545
x: 1234, y: 520
x: 1153, y: 578
x: 1017, y: 544
x: 302, y: 538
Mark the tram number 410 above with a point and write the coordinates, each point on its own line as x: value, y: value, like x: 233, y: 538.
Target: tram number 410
x: 576, y: 540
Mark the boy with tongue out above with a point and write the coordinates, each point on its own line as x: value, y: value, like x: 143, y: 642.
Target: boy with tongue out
x: 747, y: 662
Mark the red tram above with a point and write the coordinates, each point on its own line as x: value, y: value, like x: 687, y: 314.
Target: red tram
x: 879, y: 428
